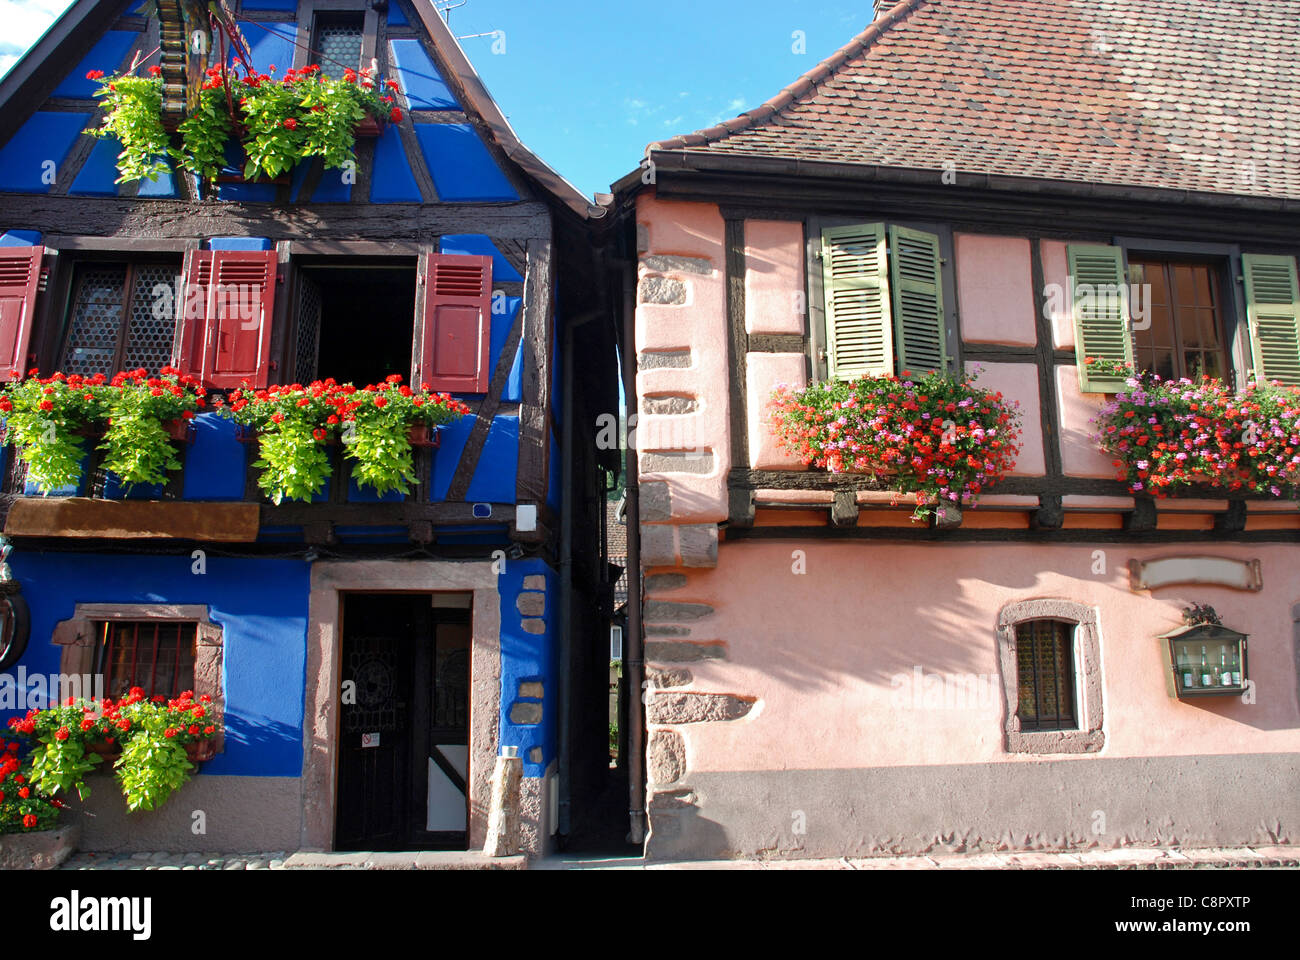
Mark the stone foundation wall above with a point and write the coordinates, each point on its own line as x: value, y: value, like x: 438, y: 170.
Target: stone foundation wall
x: 1206, y: 801
x: 241, y: 814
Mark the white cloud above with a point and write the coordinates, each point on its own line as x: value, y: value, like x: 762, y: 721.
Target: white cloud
x: 24, y: 22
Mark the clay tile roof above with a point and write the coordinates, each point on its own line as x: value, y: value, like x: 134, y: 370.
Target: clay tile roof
x: 1178, y: 94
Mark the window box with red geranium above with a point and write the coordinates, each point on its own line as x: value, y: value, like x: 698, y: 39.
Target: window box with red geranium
x: 938, y: 436
x: 277, y: 122
x: 137, y: 419
x: 1171, y: 436
x: 377, y: 425
x: 150, y: 743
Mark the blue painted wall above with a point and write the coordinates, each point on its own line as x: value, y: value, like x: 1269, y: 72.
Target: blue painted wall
x: 108, y: 54
x: 391, y: 179
x: 421, y: 81
x: 498, y: 464
x: 261, y: 603
x: 36, y: 151
x: 528, y: 657
x: 461, y: 166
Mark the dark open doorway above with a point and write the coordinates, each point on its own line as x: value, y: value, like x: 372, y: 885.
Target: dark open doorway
x: 403, y: 741
x: 354, y: 323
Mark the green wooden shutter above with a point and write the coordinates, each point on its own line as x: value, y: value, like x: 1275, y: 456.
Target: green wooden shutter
x: 856, y: 282
x: 1273, y: 308
x: 1099, y: 294
x: 916, y: 275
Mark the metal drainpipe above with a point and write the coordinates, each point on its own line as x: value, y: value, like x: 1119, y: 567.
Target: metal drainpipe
x: 633, y: 663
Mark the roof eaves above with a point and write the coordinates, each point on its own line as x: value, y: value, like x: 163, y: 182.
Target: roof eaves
x: 741, y: 164
x: 794, y: 92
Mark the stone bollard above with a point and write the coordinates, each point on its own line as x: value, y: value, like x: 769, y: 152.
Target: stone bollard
x: 503, y: 816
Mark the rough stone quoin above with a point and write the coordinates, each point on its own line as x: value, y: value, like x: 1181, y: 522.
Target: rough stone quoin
x: 696, y: 707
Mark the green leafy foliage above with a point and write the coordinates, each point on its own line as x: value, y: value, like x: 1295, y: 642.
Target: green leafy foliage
x: 152, y: 735
x: 133, y: 114
x: 204, y: 134
x: 48, y: 420
x: 294, y: 464
x: 139, y: 448
x: 304, y: 114
x: 151, y: 769
x: 295, y: 422
x: 23, y: 808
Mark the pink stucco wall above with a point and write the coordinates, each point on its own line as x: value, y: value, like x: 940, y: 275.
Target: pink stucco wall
x: 995, y: 289
x: 821, y: 650
x: 775, y: 301
x: 1056, y: 270
x: 1019, y: 384
x: 699, y: 325
x: 1080, y: 456
x: 764, y: 373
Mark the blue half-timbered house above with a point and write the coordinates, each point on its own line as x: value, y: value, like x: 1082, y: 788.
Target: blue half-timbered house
x: 371, y: 656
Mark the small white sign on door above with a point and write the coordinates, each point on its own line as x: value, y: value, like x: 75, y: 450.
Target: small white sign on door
x: 369, y: 740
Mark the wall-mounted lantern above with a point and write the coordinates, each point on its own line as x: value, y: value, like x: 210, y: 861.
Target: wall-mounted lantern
x: 1205, y: 658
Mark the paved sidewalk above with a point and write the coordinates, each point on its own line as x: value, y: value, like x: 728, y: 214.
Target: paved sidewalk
x: 1125, y: 858
x: 82, y: 860
x: 303, y: 860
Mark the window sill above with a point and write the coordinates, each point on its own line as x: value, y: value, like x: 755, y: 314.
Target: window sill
x: 1046, y: 742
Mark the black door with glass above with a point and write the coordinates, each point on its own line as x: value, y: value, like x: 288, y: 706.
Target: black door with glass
x: 403, y: 726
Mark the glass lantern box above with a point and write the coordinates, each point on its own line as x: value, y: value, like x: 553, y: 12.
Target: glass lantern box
x: 1206, y: 660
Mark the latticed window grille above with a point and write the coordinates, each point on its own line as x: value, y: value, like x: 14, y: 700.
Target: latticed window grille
x: 338, y: 41
x: 155, y: 655
x: 123, y: 317
x: 308, y: 332
x: 1045, y: 664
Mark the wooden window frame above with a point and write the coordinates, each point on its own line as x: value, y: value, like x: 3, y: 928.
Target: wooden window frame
x: 818, y: 344
x: 306, y: 29
x: 1066, y: 706
x: 303, y: 255
x: 78, y: 641
x: 76, y: 272
x: 1089, y: 737
x: 1226, y: 258
x: 104, y: 643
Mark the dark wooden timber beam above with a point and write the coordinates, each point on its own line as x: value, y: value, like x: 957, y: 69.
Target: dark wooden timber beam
x: 127, y: 219
x: 538, y: 313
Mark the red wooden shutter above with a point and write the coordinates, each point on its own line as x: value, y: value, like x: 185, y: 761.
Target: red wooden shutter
x: 20, y: 277
x: 456, y: 331
x: 191, y: 313
x: 230, y: 341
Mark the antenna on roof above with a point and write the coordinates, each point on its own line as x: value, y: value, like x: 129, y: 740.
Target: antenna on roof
x: 445, y: 7
x: 880, y: 7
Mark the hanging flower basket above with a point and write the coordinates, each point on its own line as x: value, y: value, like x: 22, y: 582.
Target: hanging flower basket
x: 278, y: 123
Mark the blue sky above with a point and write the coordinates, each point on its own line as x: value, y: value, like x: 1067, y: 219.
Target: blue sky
x: 588, y: 83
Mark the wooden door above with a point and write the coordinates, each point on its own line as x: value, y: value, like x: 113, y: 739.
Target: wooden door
x: 403, y: 749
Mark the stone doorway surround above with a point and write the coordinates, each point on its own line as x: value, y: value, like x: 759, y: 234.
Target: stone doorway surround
x: 321, y: 718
